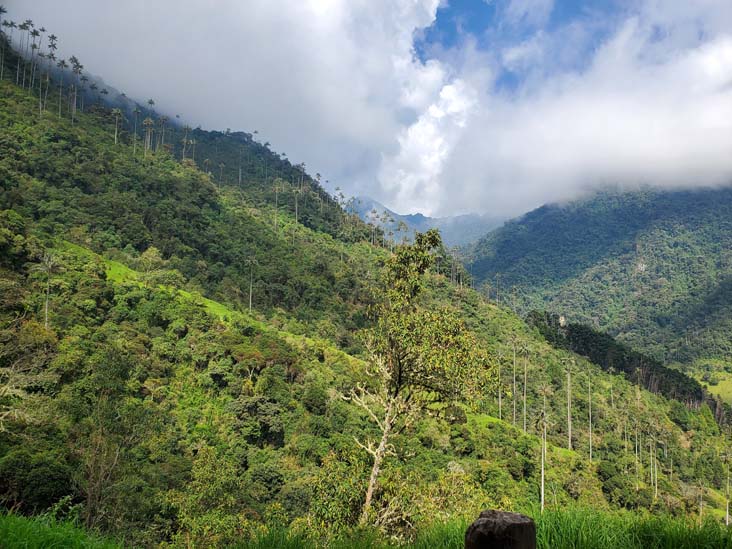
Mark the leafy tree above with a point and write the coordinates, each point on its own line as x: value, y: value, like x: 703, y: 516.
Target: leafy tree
x: 419, y: 357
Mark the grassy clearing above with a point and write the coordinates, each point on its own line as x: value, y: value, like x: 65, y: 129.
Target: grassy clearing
x: 589, y: 529
x: 32, y: 533
x: 723, y: 389
x: 117, y: 272
x: 556, y: 529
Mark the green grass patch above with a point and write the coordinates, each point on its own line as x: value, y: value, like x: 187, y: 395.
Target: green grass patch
x: 118, y: 272
x: 483, y: 420
x: 40, y: 532
x: 578, y: 528
x: 556, y: 529
x: 214, y: 307
x: 723, y: 388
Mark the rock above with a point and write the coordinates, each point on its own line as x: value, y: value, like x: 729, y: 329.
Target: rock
x: 501, y: 530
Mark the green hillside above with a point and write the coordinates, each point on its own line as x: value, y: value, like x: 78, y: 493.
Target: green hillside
x: 142, y: 399
x: 650, y: 267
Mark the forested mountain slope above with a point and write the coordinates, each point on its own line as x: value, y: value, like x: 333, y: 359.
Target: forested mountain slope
x: 141, y: 393
x: 651, y: 267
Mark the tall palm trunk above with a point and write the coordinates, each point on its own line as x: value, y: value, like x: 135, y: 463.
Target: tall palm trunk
x: 2, y: 60
x: 514, y: 383
x: 589, y: 398
x: 500, y: 390
x: 543, y: 452
x: 48, y: 85
x: 569, y: 408
x: 48, y: 293
x: 525, y: 383
x: 134, y: 138
x: 20, y: 58
x: 60, y: 93
x: 251, y: 285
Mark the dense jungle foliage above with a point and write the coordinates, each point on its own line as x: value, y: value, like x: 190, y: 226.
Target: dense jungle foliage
x: 650, y: 267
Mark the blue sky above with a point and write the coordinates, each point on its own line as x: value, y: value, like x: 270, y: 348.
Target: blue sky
x: 493, y: 25
x: 494, y: 106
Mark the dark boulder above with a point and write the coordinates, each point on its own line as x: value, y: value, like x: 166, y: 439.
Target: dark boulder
x: 501, y: 530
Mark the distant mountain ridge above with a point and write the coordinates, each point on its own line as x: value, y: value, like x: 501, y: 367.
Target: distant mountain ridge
x: 459, y: 230
x: 651, y: 267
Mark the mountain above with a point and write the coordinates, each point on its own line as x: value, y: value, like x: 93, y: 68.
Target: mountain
x: 459, y: 230
x: 651, y: 267
x: 188, y: 358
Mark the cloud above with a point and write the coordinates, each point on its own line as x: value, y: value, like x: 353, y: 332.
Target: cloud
x: 413, y: 175
x: 337, y: 84
x: 654, y: 106
x: 532, y: 13
x: 330, y: 82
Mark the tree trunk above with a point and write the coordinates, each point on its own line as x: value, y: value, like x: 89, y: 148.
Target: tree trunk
x: 514, y: 384
x: 251, y: 281
x: 589, y: 398
x: 726, y: 514
x: 48, y: 291
x: 569, y: 408
x: 500, y: 413
x: 543, y: 453
x: 378, y: 458
x: 525, y: 380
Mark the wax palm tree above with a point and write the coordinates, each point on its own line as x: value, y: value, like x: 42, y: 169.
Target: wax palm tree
x: 41, y: 32
x: 82, y: 90
x: 62, y: 65
x: 34, y: 49
x: 41, y: 59
x: 21, y: 27
x: 27, y: 48
x: 30, y: 43
x: 76, y: 69
x: 297, y: 191
x: 148, y: 124
x: 3, y: 24
x: 185, y: 140
x: 117, y: 113
x: 251, y: 261
x: 11, y: 26
x: 36, y: 34
x: 48, y: 266
x: 136, y: 112
x: 278, y: 188
x: 163, y: 121
x: 50, y: 61
x: 545, y: 391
